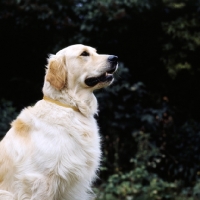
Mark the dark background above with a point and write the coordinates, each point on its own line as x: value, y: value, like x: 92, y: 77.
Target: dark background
x: 149, y: 118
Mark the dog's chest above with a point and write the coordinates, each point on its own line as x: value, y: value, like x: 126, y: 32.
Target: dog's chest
x: 69, y: 151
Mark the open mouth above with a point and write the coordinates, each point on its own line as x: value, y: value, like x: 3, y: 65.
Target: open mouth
x: 106, y: 77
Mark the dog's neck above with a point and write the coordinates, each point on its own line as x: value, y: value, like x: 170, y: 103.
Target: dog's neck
x: 84, y: 101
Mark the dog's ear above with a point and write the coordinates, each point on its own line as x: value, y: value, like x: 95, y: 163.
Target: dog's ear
x: 56, y: 72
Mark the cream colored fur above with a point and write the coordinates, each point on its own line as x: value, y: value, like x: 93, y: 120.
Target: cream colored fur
x: 53, y: 152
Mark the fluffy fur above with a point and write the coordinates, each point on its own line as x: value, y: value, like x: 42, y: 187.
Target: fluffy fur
x: 53, y: 152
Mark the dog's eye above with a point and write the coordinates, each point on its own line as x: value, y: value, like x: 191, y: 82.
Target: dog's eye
x: 85, y: 53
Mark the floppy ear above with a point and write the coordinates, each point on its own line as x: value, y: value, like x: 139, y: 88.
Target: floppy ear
x: 56, y: 72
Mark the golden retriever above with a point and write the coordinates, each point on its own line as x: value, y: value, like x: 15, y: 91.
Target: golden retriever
x: 52, y: 151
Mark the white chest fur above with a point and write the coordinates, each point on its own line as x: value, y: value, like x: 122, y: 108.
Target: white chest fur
x: 63, y: 149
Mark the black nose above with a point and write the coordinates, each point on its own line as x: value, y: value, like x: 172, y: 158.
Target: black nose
x: 113, y: 59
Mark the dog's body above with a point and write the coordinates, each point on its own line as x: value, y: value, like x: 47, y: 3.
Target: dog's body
x: 52, y: 151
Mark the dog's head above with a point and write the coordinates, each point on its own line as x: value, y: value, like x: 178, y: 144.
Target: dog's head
x: 80, y: 66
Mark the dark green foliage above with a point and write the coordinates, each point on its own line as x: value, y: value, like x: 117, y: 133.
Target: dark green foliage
x: 135, y: 111
x: 149, y: 118
x: 140, y: 184
x: 7, y: 114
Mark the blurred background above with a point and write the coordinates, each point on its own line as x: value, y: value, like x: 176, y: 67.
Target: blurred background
x: 150, y: 117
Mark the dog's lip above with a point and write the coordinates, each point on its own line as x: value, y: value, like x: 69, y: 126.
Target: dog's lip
x: 110, y: 71
x: 105, y: 77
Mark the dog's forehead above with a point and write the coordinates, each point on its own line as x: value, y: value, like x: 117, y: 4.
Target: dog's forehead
x: 75, y: 50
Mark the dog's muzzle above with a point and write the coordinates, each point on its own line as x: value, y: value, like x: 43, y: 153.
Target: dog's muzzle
x: 107, y: 76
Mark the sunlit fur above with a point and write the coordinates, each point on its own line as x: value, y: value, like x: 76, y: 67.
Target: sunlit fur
x: 53, y: 152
